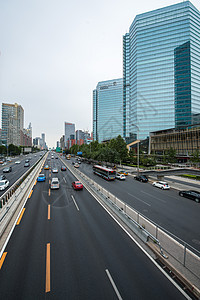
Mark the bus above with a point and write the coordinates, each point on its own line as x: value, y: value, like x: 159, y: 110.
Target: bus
x: 104, y: 172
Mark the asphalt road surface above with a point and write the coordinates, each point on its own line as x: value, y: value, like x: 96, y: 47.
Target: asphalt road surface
x: 178, y: 215
x: 66, y: 246
x: 18, y: 169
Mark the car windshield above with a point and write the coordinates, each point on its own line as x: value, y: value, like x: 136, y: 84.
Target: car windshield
x: 41, y: 175
x: 78, y: 183
x: 55, y: 181
x: 2, y: 183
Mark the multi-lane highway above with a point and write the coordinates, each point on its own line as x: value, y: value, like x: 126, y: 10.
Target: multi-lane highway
x: 18, y: 169
x: 166, y: 208
x: 66, y: 246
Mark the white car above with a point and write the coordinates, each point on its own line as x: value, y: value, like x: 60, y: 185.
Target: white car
x: 76, y: 165
x: 161, y: 184
x: 4, y: 184
x: 120, y: 176
x: 55, y: 170
x: 55, y: 183
x: 17, y: 162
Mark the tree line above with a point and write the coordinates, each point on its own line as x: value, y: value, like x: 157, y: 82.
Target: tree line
x: 115, y: 151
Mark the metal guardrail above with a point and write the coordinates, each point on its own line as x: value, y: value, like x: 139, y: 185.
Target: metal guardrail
x: 182, y: 252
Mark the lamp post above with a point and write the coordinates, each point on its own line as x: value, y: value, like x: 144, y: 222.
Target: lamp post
x: 138, y: 149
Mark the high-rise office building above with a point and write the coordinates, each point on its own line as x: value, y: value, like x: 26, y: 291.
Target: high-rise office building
x: 108, y: 110
x: 69, y: 133
x: 12, y: 123
x: 161, y: 74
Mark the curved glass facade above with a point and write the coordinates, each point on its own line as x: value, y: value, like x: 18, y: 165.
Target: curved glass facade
x: 155, y: 42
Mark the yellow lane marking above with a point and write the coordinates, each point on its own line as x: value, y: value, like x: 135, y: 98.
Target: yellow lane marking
x: 48, y: 288
x: 35, y: 182
x: 49, y: 192
x: 49, y: 208
x: 20, y: 216
x: 2, y: 259
x: 49, y: 181
x: 30, y: 194
x: 50, y: 175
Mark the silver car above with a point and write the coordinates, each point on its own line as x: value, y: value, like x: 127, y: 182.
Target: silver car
x: 161, y: 184
x: 55, y: 184
x: 4, y: 184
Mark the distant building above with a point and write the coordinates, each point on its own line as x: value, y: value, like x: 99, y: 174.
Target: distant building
x: 108, y: 110
x: 12, y: 123
x: 69, y: 133
x: 62, y: 142
x: 185, y: 141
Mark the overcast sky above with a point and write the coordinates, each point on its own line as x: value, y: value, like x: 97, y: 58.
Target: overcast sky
x: 53, y: 54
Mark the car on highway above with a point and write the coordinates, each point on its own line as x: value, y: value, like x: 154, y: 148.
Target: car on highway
x: 76, y: 165
x: 161, y: 184
x: 120, y: 176
x: 122, y: 172
x: 193, y: 195
x: 141, y: 178
x: 77, y: 185
x: 46, y: 167
x: 7, y: 170
x: 27, y: 160
x: 2, y: 177
x: 54, y: 170
x: 4, y: 184
x: 55, y: 183
x: 17, y: 162
x: 27, y: 164
x: 41, y: 177
x: 63, y: 168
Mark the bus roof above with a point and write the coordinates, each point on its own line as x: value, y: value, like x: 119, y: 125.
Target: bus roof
x: 103, y: 168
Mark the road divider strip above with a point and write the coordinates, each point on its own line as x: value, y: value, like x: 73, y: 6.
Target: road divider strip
x: 113, y: 285
x: 48, y: 285
x: 30, y: 194
x: 20, y: 217
x: 49, y: 211
x: 49, y: 192
x: 2, y: 259
x: 75, y: 202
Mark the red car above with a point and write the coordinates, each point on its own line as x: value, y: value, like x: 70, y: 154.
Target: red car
x: 77, y: 185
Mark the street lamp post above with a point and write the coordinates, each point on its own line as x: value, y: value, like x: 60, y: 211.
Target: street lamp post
x: 138, y: 149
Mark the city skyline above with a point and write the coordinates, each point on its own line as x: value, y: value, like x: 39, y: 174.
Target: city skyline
x: 50, y: 72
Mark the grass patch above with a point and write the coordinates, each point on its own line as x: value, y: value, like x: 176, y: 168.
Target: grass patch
x: 196, y: 177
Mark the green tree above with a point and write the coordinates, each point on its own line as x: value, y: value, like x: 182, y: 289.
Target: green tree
x: 195, y: 157
x: 119, y: 145
x: 172, y: 155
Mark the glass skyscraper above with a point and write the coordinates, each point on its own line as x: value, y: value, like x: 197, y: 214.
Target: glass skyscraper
x: 108, y: 110
x: 161, y: 74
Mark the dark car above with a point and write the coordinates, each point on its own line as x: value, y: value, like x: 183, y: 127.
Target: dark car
x: 193, y: 195
x: 27, y: 164
x: 7, y: 170
x: 2, y: 177
x: 141, y: 178
x: 63, y: 168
